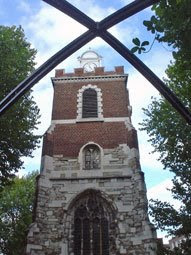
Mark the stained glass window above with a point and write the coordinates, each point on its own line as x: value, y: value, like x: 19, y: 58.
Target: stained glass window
x: 91, y: 228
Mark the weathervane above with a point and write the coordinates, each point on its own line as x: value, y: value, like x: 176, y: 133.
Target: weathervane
x: 96, y: 29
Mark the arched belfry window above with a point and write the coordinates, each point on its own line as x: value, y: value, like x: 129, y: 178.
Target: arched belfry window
x: 91, y: 226
x: 89, y: 104
x: 91, y: 157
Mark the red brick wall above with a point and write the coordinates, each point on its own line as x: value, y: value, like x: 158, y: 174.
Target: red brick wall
x: 114, y: 99
x: 114, y: 93
x: 67, y: 139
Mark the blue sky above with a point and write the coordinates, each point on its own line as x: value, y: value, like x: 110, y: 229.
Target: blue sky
x: 49, y: 30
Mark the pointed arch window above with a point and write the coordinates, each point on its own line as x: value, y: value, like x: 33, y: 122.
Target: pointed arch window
x: 91, y: 227
x: 89, y: 104
x: 91, y: 157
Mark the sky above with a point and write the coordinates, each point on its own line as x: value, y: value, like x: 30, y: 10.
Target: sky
x: 48, y: 30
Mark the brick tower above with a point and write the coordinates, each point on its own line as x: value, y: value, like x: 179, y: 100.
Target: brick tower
x: 91, y: 195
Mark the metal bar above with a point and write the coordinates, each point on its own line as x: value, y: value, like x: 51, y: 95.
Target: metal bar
x: 106, y: 23
x: 148, y: 74
x: 73, y: 12
x: 39, y: 73
x: 125, y: 13
x: 45, y: 68
x: 96, y: 29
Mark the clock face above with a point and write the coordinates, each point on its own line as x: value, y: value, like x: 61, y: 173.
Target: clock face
x: 89, y: 67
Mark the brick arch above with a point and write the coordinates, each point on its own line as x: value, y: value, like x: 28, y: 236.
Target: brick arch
x: 99, y: 101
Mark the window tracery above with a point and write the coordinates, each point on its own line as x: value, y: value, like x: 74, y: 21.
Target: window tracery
x: 91, y: 227
x: 92, y: 157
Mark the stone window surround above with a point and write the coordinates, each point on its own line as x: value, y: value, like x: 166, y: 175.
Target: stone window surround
x: 81, y: 158
x: 91, y: 157
x: 79, y: 103
x: 69, y: 216
x: 92, y: 226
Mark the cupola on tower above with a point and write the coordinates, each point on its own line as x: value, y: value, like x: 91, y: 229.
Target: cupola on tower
x: 91, y: 194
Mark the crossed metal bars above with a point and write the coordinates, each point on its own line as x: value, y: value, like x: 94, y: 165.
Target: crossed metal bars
x: 96, y: 29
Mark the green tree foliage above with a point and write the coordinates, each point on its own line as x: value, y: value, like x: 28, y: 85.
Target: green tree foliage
x: 171, y: 136
x: 171, y: 24
x: 16, y: 205
x: 169, y: 133
x: 17, y: 124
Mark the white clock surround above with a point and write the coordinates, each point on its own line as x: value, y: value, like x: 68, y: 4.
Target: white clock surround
x: 89, y: 60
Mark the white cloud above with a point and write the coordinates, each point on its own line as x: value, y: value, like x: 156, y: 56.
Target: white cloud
x: 161, y: 192
x: 125, y: 32
x: 140, y: 91
x: 44, y: 98
x: 159, y: 60
x: 148, y: 159
x: 50, y: 30
x: 93, y: 9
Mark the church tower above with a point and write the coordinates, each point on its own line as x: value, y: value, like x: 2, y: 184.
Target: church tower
x: 91, y: 194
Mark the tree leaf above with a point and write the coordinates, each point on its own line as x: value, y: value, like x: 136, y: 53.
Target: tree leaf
x: 143, y: 49
x: 136, y: 41
x: 159, y: 28
x: 145, y: 43
x: 154, y: 19
x: 153, y: 30
x: 139, y: 51
x: 134, y: 49
x: 147, y: 23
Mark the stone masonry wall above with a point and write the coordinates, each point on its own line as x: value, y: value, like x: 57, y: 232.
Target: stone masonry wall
x: 120, y: 181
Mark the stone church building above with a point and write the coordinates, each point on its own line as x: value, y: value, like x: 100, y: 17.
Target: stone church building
x: 91, y: 195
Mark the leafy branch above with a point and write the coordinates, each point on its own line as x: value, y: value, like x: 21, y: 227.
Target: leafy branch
x: 139, y: 46
x: 154, y: 27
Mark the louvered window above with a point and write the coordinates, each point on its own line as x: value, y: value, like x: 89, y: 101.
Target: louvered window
x: 91, y: 235
x: 89, y: 104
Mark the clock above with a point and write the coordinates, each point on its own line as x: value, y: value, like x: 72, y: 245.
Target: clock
x: 89, y: 67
